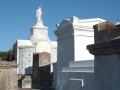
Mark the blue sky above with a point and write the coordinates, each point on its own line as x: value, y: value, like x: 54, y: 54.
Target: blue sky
x: 18, y: 16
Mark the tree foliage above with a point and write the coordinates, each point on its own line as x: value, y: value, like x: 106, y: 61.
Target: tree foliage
x: 8, y: 55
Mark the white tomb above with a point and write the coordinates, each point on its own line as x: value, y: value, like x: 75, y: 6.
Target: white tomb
x: 73, y: 35
x: 81, y: 73
x: 38, y: 42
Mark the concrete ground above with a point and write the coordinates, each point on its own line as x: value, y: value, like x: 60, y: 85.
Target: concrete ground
x: 27, y: 89
x: 36, y: 89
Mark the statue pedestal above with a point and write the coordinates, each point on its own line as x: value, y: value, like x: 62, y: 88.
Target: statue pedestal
x: 39, y: 23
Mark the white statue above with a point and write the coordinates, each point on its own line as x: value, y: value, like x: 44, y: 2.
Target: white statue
x: 39, y: 13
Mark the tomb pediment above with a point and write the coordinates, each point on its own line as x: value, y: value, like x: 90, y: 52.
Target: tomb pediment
x: 64, y: 23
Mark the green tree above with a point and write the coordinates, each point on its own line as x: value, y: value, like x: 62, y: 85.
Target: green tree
x: 3, y: 55
x: 8, y: 55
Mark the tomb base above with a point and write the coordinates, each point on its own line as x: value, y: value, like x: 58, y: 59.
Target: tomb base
x: 27, y: 82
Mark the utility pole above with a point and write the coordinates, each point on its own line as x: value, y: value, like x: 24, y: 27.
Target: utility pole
x: 10, y: 55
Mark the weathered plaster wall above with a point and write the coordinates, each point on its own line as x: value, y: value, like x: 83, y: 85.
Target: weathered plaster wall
x: 107, y: 64
x: 105, y: 35
x: 8, y: 76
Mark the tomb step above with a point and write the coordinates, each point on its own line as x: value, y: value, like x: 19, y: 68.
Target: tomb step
x: 84, y: 63
x: 65, y: 77
x: 78, y: 69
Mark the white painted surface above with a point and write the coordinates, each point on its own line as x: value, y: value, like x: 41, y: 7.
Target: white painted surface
x: 25, y: 60
x: 39, y: 42
x: 80, y: 52
x: 43, y: 46
x: 54, y: 51
x: 73, y: 35
x: 37, y: 32
x: 54, y: 54
x: 65, y: 52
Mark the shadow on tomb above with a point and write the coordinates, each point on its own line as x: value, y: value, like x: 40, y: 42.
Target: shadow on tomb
x: 42, y: 76
x: 42, y: 69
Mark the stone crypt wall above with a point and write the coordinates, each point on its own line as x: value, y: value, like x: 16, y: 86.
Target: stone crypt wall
x: 42, y: 66
x: 25, y: 59
x: 107, y: 64
x: 107, y: 58
x: 106, y: 31
x: 8, y: 76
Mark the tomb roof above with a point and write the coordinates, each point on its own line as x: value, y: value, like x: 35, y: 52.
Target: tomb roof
x: 23, y: 42
x: 76, y: 21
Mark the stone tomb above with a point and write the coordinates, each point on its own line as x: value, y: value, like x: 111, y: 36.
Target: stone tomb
x: 78, y: 76
x: 27, y: 82
x: 73, y: 35
x: 106, y: 31
x: 8, y: 76
x: 38, y: 42
x: 41, y: 68
x: 107, y: 64
x: 107, y: 58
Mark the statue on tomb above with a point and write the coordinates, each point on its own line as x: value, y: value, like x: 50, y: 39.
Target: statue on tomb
x: 39, y: 13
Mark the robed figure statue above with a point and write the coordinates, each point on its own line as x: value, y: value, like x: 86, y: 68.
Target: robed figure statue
x: 39, y: 13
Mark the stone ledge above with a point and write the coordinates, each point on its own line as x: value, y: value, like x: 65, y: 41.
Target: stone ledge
x: 77, y: 69
x: 83, y: 63
x: 8, y: 64
x: 108, y: 47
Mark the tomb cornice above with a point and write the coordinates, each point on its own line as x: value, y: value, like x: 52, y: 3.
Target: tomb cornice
x: 64, y: 29
x: 54, y: 63
x: 5, y: 64
x: 22, y: 47
x: 80, y: 30
x: 41, y: 28
x: 72, y: 27
x: 85, y: 28
x: 103, y: 48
